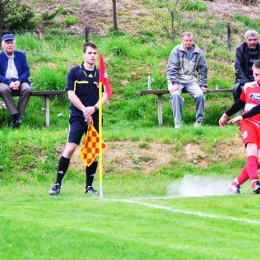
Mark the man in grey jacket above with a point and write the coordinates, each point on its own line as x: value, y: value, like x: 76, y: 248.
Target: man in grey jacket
x: 185, y: 63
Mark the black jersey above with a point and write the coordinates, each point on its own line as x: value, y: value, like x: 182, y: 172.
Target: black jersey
x: 85, y: 85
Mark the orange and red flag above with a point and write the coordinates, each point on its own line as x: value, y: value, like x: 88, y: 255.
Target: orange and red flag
x: 90, y: 146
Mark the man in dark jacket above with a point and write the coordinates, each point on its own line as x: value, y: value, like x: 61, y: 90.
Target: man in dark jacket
x: 246, y: 54
x: 14, y: 74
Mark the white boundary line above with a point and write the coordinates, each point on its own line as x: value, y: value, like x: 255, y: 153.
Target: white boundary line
x: 200, y: 214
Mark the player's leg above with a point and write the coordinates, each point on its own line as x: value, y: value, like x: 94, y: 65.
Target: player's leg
x: 77, y: 129
x: 250, y: 133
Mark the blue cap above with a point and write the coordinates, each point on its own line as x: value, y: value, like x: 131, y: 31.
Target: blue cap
x: 8, y: 37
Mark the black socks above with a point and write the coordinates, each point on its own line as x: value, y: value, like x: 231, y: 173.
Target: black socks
x: 90, y: 173
x: 62, y: 168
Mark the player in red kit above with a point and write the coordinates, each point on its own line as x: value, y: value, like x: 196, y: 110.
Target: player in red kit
x: 250, y: 131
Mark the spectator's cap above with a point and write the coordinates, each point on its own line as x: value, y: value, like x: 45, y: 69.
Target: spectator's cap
x: 8, y: 37
x: 250, y: 33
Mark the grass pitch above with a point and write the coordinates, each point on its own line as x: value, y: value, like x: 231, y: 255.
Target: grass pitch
x: 72, y: 225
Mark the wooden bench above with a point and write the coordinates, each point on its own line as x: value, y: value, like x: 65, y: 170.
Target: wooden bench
x: 159, y: 94
x: 46, y: 94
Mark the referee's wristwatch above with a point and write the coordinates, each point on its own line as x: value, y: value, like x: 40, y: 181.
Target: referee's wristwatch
x: 95, y: 108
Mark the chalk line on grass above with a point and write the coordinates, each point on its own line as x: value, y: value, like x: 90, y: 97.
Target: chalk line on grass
x: 200, y: 214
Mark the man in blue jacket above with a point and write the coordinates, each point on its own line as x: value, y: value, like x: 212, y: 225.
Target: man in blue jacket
x: 14, y: 74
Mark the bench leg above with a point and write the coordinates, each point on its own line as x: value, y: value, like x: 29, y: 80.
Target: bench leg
x: 47, y: 111
x: 160, y: 117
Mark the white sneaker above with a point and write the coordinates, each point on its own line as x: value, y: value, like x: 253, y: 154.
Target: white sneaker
x: 197, y: 124
x: 235, y: 189
x: 177, y: 126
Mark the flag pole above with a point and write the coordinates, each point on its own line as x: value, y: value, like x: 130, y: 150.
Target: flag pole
x: 100, y: 138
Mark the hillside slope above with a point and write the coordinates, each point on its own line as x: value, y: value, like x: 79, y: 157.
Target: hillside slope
x: 98, y: 14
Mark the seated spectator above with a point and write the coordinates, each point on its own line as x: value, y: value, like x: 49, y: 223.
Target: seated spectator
x: 246, y: 54
x: 14, y: 74
x: 185, y: 63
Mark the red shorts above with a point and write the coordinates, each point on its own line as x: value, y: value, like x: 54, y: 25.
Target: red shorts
x: 250, y: 130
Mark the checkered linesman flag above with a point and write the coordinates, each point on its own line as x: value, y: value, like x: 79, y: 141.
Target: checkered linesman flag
x: 90, y: 146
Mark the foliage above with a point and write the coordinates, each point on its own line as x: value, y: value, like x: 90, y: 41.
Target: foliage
x: 50, y: 78
x: 253, y: 23
x: 17, y: 15
x: 193, y: 5
x: 70, y: 20
x: 75, y: 4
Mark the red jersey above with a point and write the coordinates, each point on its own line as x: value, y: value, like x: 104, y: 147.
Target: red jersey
x: 251, y: 96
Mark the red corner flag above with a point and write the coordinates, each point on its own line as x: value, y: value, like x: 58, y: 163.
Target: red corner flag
x: 103, y: 79
x: 90, y: 146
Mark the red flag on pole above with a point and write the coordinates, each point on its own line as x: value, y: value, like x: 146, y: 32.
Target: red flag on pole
x: 90, y: 146
x: 103, y: 79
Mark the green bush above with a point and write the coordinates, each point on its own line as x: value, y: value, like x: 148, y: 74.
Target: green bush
x: 19, y: 16
x: 49, y: 78
x: 193, y: 5
x: 254, y: 23
x: 70, y: 20
x: 75, y: 4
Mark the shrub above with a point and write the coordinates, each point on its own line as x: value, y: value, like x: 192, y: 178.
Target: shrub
x: 193, y: 5
x: 50, y: 78
x: 19, y: 16
x: 70, y: 20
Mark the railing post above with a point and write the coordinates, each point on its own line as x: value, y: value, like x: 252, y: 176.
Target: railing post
x: 86, y: 34
x: 229, y: 36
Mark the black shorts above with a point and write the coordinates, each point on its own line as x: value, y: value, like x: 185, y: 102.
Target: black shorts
x: 78, y: 127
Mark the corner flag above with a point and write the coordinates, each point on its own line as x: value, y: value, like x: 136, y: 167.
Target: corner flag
x: 90, y: 146
x: 103, y: 78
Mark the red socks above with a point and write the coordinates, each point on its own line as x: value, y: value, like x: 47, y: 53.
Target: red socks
x: 243, y: 176
x: 250, y: 171
x: 251, y: 166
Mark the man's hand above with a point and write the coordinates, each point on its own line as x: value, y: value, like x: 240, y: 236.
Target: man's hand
x: 88, y: 111
x: 236, y: 120
x: 204, y: 90
x: 174, y: 88
x: 223, y: 120
x: 89, y: 120
x: 15, y: 85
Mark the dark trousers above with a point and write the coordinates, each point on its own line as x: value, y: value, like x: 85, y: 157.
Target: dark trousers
x: 24, y: 95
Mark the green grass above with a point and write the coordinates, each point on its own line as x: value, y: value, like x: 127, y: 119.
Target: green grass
x: 75, y: 226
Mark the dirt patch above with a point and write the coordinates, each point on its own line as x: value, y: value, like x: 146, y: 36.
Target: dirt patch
x: 228, y: 8
x: 130, y: 156
x: 95, y: 14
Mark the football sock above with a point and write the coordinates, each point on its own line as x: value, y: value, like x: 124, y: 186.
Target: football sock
x: 253, y: 182
x: 242, y: 177
x: 90, y: 173
x: 62, y: 168
x: 251, y: 166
